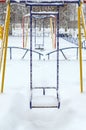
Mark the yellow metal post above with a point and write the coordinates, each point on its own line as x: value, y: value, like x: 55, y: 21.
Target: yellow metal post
x: 80, y: 49
x: 26, y: 38
x: 5, y: 45
x: 1, y: 32
x: 52, y: 34
x: 51, y: 27
x: 25, y: 44
x: 55, y: 33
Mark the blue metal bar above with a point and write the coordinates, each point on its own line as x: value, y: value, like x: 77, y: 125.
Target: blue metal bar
x: 10, y: 53
x: 52, y: 1
x: 44, y: 106
x: 77, y: 53
x: 45, y: 3
x: 24, y: 54
x: 35, y: 30
x: 44, y: 87
x: 30, y: 57
x: 43, y: 91
x: 63, y: 54
x: 58, y: 58
x: 43, y: 32
x: 50, y: 4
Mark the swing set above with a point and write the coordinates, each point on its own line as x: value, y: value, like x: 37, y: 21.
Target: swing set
x: 31, y: 4
x: 39, y: 21
x: 32, y: 13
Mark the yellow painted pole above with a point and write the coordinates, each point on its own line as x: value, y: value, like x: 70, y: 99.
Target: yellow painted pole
x: 51, y: 27
x: 55, y: 32
x: 27, y: 31
x: 2, y: 48
x: 5, y: 43
x: 25, y: 45
x: 80, y: 49
x: 83, y: 20
x: 1, y: 32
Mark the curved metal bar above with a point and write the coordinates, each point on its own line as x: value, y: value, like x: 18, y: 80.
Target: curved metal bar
x: 61, y: 50
x: 26, y: 50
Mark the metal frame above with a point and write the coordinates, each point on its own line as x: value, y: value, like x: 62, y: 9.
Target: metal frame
x: 31, y: 63
x: 46, y: 3
x: 58, y: 3
x: 36, y: 15
x: 38, y: 46
x: 55, y: 3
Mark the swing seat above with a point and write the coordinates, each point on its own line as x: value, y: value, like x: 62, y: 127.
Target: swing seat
x: 44, y: 102
x: 44, y: 97
x: 39, y: 47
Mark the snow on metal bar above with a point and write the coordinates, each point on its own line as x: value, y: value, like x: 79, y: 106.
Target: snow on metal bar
x: 52, y: 1
x: 44, y: 4
x: 44, y: 12
x: 47, y: 1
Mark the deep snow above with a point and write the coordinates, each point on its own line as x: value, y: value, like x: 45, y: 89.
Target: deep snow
x: 14, y: 102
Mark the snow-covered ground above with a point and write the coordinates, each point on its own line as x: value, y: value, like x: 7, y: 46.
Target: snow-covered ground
x: 14, y: 102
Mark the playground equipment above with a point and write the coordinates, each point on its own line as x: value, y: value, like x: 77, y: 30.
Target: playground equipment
x: 40, y: 29
x: 1, y: 32
x: 53, y: 31
x: 53, y: 3
x: 31, y: 71
x: 42, y: 19
x: 56, y: 3
x: 31, y: 4
x: 39, y: 26
x: 4, y: 45
x: 25, y: 27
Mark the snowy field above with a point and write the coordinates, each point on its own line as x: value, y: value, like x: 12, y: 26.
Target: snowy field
x: 14, y: 102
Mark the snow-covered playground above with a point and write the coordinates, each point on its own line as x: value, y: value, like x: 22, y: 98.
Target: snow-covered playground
x: 14, y: 102
x: 42, y: 70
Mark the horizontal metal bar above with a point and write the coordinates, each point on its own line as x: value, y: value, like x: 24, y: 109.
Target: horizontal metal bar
x: 44, y: 13
x: 51, y: 1
x: 43, y: 16
x: 44, y: 4
x: 44, y: 106
x: 44, y: 88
